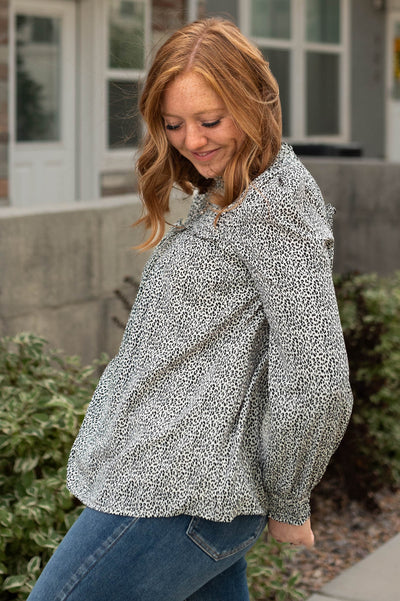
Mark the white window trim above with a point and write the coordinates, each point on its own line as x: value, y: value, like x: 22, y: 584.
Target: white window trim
x: 119, y: 159
x: 297, y: 102
x: 96, y: 158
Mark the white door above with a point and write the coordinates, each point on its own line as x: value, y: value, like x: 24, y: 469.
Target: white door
x: 393, y: 88
x: 42, y: 102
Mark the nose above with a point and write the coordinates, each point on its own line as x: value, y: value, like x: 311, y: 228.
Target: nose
x: 195, y: 137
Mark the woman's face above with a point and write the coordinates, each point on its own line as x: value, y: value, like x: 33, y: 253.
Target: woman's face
x: 199, y: 125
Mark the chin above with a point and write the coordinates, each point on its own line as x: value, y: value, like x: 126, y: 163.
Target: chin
x: 209, y: 172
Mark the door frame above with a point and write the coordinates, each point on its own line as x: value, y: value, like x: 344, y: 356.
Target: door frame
x: 68, y: 108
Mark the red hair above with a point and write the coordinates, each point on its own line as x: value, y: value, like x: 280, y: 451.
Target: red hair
x: 236, y: 70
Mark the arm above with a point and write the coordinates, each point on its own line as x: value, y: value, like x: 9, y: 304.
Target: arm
x: 284, y: 238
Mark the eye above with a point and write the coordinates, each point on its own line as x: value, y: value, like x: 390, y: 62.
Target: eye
x: 211, y: 123
x: 172, y: 127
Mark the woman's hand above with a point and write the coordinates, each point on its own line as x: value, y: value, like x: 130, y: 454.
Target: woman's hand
x: 287, y: 533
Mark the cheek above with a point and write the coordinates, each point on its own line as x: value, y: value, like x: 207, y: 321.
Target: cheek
x: 169, y: 139
x: 237, y: 137
x: 173, y: 140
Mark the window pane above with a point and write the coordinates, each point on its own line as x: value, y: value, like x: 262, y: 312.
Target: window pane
x: 279, y: 61
x: 38, y: 79
x: 124, y: 125
x: 126, y: 34
x: 323, y: 21
x: 322, y: 94
x: 270, y: 18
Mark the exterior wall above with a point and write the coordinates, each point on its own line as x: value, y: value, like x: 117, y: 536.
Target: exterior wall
x: 59, y: 266
x: 367, y: 80
x: 3, y: 102
x: 366, y: 194
x: 368, y: 77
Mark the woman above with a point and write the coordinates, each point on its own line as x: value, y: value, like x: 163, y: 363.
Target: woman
x: 230, y: 389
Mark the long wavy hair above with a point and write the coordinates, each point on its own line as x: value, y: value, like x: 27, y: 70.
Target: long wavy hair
x: 237, y: 71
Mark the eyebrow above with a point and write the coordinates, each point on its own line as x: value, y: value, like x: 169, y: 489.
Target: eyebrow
x: 195, y: 114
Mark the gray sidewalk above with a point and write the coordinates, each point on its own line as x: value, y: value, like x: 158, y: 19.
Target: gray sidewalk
x: 375, y: 578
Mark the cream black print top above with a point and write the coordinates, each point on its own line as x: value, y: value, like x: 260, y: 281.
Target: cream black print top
x: 230, y: 389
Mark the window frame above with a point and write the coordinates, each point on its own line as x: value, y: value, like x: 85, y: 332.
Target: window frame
x: 298, y: 46
x: 118, y: 159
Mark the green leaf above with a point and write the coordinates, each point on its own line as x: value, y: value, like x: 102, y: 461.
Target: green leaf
x: 293, y: 579
x: 3, y: 568
x: 14, y: 583
x: 6, y: 517
x: 25, y: 464
x: 33, y: 567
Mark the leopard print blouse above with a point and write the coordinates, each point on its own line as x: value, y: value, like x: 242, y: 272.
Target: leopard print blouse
x: 230, y: 390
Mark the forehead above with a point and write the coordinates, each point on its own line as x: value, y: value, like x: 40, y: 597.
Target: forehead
x: 190, y: 93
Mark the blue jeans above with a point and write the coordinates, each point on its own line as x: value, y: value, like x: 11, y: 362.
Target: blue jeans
x: 107, y: 557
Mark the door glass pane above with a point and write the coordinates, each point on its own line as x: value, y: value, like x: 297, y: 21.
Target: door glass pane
x: 322, y: 94
x: 279, y: 61
x: 124, y: 124
x: 126, y: 34
x: 38, y: 78
x: 270, y: 18
x: 396, y: 62
x: 323, y: 21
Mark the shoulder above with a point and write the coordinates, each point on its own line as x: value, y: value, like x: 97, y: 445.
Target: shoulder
x: 286, y: 166
x: 285, y: 195
x: 285, y: 183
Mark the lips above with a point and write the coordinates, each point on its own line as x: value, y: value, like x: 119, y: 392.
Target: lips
x: 204, y: 156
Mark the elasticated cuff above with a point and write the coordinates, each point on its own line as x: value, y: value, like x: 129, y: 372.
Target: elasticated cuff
x: 289, y: 511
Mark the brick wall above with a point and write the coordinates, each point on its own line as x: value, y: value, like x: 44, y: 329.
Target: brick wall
x: 3, y: 101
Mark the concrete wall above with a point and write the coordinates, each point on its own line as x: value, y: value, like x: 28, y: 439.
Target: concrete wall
x: 59, y: 266
x: 366, y: 194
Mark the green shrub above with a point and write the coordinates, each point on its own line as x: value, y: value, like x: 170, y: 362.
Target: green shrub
x: 369, y: 456
x: 43, y: 397
x: 267, y: 573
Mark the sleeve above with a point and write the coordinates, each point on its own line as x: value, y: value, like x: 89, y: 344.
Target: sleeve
x: 283, y: 235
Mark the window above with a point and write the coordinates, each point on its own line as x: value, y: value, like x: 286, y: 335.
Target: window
x: 115, y: 40
x: 126, y: 20
x: 271, y: 19
x: 305, y: 42
x: 38, y: 78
